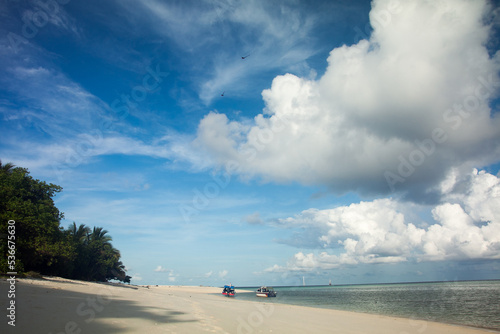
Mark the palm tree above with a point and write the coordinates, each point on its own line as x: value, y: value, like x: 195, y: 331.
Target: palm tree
x: 100, y: 255
x: 8, y: 167
x: 96, y: 258
x: 99, y: 235
x: 80, y: 234
x: 78, y: 238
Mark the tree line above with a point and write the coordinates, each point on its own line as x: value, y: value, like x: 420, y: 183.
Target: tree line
x: 41, y: 244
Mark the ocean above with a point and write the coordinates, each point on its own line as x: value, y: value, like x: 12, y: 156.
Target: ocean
x: 470, y: 303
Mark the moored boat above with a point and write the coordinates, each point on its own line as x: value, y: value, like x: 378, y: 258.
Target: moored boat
x: 228, y: 291
x: 265, y: 291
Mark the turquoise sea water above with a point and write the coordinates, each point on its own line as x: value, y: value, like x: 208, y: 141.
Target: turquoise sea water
x: 474, y: 303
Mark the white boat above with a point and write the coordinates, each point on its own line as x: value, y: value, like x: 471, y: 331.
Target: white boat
x: 265, y: 291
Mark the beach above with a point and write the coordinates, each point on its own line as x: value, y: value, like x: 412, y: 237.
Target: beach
x: 56, y: 305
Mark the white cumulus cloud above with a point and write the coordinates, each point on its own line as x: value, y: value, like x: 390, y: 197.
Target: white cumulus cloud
x: 396, y: 111
x: 223, y: 273
x: 160, y: 269
x: 172, y: 276
x: 468, y: 227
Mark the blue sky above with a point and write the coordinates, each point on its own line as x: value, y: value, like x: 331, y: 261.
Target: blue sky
x: 356, y: 141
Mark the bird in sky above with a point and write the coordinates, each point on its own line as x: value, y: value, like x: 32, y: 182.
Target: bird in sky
x: 245, y: 57
x: 222, y: 93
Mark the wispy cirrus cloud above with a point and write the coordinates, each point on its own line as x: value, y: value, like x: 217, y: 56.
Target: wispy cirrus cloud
x: 53, y: 124
x: 26, y: 20
x: 52, y: 103
x: 275, y: 36
x: 43, y: 100
x: 36, y: 17
x: 58, y: 159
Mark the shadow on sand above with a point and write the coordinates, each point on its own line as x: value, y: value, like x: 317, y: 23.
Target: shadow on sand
x: 73, y: 281
x: 49, y: 310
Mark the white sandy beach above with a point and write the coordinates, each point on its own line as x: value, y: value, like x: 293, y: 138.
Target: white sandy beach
x: 56, y: 305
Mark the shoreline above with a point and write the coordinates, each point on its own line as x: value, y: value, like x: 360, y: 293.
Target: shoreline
x: 490, y: 329
x: 57, y: 305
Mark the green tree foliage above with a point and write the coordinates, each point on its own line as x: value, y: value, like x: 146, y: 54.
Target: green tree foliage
x: 29, y: 202
x: 42, y: 245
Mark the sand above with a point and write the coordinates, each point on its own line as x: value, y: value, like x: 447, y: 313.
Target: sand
x: 56, y: 305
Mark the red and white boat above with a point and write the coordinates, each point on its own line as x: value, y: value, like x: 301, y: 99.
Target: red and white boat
x: 265, y: 291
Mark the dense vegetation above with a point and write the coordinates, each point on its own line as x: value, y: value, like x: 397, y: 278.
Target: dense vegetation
x: 41, y: 244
